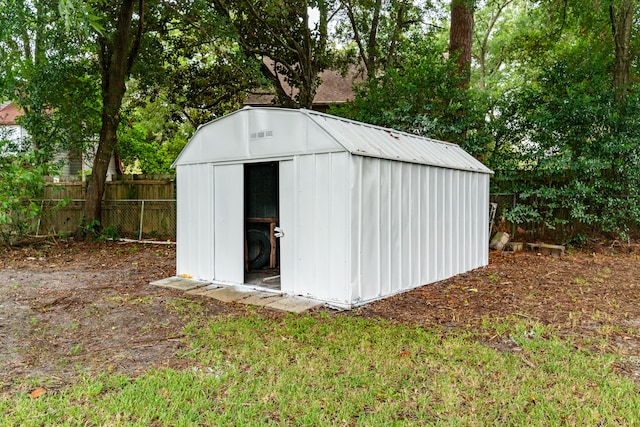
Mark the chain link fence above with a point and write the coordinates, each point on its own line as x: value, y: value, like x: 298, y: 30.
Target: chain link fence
x: 134, y: 219
x: 156, y: 219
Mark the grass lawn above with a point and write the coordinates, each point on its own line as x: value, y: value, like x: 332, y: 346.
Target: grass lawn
x: 325, y: 369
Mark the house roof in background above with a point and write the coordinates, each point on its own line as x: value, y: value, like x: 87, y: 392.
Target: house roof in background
x: 9, y: 112
x: 334, y: 88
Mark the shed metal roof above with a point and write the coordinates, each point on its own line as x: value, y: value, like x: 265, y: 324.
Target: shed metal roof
x: 362, y: 139
x: 367, y: 140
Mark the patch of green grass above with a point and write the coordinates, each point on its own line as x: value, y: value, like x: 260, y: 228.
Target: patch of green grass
x: 75, y: 349
x: 128, y: 299
x: 581, y: 281
x: 330, y: 370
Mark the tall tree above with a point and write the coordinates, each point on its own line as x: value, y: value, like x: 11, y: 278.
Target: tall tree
x: 118, y: 46
x: 50, y: 73
x: 461, y: 36
x: 621, y: 15
x: 291, y: 50
x: 377, y: 28
x: 488, y: 62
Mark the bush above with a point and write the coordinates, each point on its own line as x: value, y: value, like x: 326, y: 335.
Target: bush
x: 21, y: 184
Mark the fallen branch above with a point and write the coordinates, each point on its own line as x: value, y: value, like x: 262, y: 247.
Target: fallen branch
x: 146, y: 340
x: 143, y: 343
x: 50, y: 303
x: 528, y: 362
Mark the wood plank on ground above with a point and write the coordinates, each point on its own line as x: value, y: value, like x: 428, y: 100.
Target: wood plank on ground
x: 261, y: 298
x: 179, y: 283
x: 294, y: 304
x: 203, y: 290
x: 228, y: 294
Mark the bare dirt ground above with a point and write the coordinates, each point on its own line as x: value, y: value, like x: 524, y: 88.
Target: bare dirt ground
x: 70, y: 308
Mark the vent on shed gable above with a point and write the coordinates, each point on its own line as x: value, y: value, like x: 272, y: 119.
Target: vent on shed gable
x: 262, y: 134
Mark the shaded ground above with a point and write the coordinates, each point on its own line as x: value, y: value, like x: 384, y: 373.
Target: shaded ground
x: 68, y: 308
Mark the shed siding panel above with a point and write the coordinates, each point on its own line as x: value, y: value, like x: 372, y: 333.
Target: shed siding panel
x: 476, y: 199
x: 462, y: 223
x: 386, y: 229
x: 416, y: 227
x: 413, y: 225
x: 287, y: 222
x: 305, y: 250
x: 441, y: 192
x: 425, y: 232
x: 356, y: 227
x: 406, y: 260
x: 370, y: 219
x: 432, y: 225
x: 322, y: 220
x: 229, y: 223
x: 320, y: 227
x: 395, y: 197
x: 483, y: 222
x: 339, y: 228
x: 195, y: 223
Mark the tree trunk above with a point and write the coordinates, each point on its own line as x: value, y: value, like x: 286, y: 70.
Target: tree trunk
x: 621, y: 24
x: 116, y: 59
x: 98, y: 178
x: 461, y: 37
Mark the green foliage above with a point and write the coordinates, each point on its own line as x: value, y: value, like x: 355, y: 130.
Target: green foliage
x: 570, y: 148
x: 152, y: 135
x: 286, y: 43
x: 79, y: 14
x: 94, y: 230
x: 542, y: 110
x: 51, y: 73
x: 421, y: 96
x: 21, y: 184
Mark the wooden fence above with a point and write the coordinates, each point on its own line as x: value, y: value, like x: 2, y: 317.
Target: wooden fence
x: 131, y: 189
x: 136, y: 219
x: 130, y: 208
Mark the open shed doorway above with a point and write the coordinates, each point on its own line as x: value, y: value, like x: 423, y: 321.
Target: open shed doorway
x: 261, y: 201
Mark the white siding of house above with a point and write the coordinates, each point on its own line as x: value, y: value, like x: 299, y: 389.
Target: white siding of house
x: 13, y: 133
x: 413, y: 224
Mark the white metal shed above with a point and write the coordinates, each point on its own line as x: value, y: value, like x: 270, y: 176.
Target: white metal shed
x: 366, y: 212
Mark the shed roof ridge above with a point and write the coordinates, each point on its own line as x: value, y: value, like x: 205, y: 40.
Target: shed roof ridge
x: 470, y: 163
x: 378, y: 127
